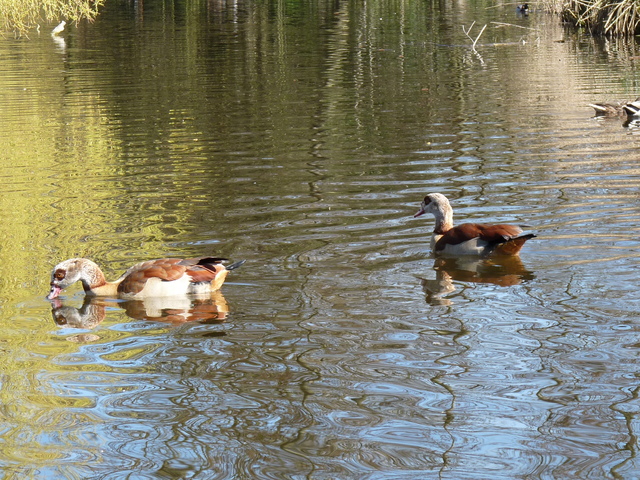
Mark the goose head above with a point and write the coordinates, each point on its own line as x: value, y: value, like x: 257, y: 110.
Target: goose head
x: 434, y: 203
x: 71, y: 271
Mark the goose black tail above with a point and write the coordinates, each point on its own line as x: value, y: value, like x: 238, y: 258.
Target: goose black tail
x: 235, y: 265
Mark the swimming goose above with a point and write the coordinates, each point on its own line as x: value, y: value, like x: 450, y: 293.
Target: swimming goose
x: 155, y: 278
x: 469, y: 238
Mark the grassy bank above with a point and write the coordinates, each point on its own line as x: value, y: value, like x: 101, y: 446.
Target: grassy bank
x: 600, y: 17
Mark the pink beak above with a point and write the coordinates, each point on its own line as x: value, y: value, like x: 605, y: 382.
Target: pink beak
x: 420, y: 212
x: 55, y: 291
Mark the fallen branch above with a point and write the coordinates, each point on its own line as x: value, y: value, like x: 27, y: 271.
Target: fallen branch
x: 466, y: 32
x: 501, y: 24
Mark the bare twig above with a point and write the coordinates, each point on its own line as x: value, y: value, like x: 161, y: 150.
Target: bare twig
x: 466, y: 32
x: 502, y: 24
x: 478, y: 37
x: 500, y: 5
x: 474, y: 42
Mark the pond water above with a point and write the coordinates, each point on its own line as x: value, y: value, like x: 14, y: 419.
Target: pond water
x: 302, y: 136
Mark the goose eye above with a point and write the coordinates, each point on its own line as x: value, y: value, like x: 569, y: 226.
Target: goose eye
x: 59, y: 274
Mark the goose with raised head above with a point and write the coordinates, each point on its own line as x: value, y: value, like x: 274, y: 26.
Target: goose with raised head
x: 154, y: 278
x: 478, y: 239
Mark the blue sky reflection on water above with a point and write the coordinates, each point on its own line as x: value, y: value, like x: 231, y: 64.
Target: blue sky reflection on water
x: 302, y: 140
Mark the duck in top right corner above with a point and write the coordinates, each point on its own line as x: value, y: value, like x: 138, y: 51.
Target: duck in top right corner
x: 628, y: 109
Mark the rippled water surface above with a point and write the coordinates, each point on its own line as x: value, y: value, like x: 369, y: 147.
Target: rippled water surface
x: 302, y: 137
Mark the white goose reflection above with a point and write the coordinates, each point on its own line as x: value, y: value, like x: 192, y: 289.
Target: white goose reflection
x: 503, y: 271
x: 209, y: 308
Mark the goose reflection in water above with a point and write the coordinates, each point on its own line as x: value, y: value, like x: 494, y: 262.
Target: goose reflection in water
x: 208, y: 308
x: 504, y: 271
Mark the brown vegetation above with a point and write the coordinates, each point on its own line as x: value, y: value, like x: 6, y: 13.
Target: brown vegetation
x: 602, y: 17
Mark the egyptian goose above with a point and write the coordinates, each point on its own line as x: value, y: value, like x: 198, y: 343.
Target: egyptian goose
x: 155, y: 278
x: 469, y: 238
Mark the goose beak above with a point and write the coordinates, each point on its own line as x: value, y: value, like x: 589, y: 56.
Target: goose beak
x: 420, y: 212
x: 54, y: 292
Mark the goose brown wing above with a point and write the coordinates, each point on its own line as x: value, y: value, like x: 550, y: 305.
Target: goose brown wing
x: 488, y: 233
x: 134, y: 279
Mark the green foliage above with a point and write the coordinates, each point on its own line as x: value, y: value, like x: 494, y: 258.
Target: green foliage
x: 21, y: 16
x: 608, y: 17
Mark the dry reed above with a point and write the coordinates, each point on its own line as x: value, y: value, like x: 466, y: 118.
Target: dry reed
x: 603, y: 17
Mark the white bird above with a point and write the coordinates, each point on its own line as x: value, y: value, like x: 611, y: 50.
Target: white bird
x: 59, y: 28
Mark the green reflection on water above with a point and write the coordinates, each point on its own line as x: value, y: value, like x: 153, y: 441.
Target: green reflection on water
x: 298, y: 135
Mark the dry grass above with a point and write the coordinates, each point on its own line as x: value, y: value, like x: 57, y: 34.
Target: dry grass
x: 21, y: 16
x: 606, y: 17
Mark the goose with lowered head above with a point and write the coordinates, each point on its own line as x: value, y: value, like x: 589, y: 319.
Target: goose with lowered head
x: 469, y: 238
x: 154, y: 278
